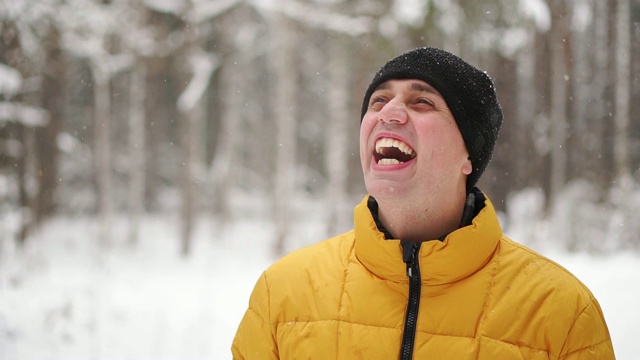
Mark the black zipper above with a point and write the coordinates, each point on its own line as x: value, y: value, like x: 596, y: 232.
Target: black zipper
x: 410, y: 257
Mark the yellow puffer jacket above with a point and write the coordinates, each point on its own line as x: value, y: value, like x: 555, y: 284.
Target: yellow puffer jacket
x: 483, y: 296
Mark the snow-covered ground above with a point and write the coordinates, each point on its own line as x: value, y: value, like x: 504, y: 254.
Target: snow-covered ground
x: 66, y: 297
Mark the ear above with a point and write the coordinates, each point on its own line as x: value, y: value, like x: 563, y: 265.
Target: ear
x: 467, y: 167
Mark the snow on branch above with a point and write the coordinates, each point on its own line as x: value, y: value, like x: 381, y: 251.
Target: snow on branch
x: 26, y: 115
x: 120, y: 62
x: 159, y: 47
x: 10, y: 80
x: 316, y: 17
x: 106, y: 67
x: 538, y: 11
x: 207, y: 10
x: 203, y: 65
x: 193, y: 11
x: 175, y: 7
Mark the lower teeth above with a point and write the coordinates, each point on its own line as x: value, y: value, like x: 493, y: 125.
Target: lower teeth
x: 389, y: 162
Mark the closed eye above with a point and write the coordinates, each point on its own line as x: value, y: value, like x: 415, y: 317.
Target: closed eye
x: 376, y: 101
x: 424, y: 101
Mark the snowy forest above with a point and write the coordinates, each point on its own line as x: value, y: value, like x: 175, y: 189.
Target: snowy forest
x: 208, y: 113
x: 113, y: 106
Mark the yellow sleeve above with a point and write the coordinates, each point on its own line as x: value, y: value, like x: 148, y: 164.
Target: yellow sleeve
x: 255, y: 338
x: 589, y: 336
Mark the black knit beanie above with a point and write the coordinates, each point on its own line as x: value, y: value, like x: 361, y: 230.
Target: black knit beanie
x: 468, y: 92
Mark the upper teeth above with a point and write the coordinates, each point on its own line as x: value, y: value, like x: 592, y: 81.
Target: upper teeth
x: 387, y: 142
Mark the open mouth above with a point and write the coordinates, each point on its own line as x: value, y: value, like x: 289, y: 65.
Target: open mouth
x: 392, y: 152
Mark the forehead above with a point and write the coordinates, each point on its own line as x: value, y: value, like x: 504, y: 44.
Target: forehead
x: 413, y: 85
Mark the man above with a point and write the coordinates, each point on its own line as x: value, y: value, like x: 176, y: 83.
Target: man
x: 426, y: 271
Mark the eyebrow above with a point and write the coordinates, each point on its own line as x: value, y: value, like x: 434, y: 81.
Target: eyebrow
x: 424, y: 88
x: 415, y: 86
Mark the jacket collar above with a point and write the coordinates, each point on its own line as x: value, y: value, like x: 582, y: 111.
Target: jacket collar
x: 460, y: 254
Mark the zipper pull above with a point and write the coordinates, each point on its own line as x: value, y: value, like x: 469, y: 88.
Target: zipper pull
x: 410, y: 250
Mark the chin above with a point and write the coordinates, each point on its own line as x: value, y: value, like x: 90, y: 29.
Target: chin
x: 381, y: 188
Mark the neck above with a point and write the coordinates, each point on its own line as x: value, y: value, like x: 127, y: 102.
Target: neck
x: 420, y: 222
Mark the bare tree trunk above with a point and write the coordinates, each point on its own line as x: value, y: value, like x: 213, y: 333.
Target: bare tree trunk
x: 283, y: 69
x: 452, y: 41
x: 561, y: 220
x: 159, y: 114
x: 102, y: 132
x: 623, y: 225
x: 580, y: 78
x: 189, y: 118
x: 601, y: 80
x: 46, y: 144
x: 336, y: 138
x: 540, y: 172
x: 525, y: 108
x: 191, y: 105
x: 223, y: 172
x: 137, y: 141
x: 186, y: 183
x: 622, y: 90
x: 559, y: 79
x: 22, y: 177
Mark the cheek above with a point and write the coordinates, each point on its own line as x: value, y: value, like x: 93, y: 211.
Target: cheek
x: 368, y: 122
x: 447, y: 145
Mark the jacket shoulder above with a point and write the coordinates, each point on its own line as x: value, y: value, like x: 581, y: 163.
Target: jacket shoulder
x: 537, y: 269
x: 321, y: 255
x: 544, y: 302
x: 306, y: 284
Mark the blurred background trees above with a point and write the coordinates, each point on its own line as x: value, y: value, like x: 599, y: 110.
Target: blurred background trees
x: 190, y: 106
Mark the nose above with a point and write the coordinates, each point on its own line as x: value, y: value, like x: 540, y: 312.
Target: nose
x: 394, y: 111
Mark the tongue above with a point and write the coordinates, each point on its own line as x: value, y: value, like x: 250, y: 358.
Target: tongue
x: 394, y: 153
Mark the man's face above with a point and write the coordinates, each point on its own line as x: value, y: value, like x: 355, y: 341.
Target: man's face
x: 410, y: 144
